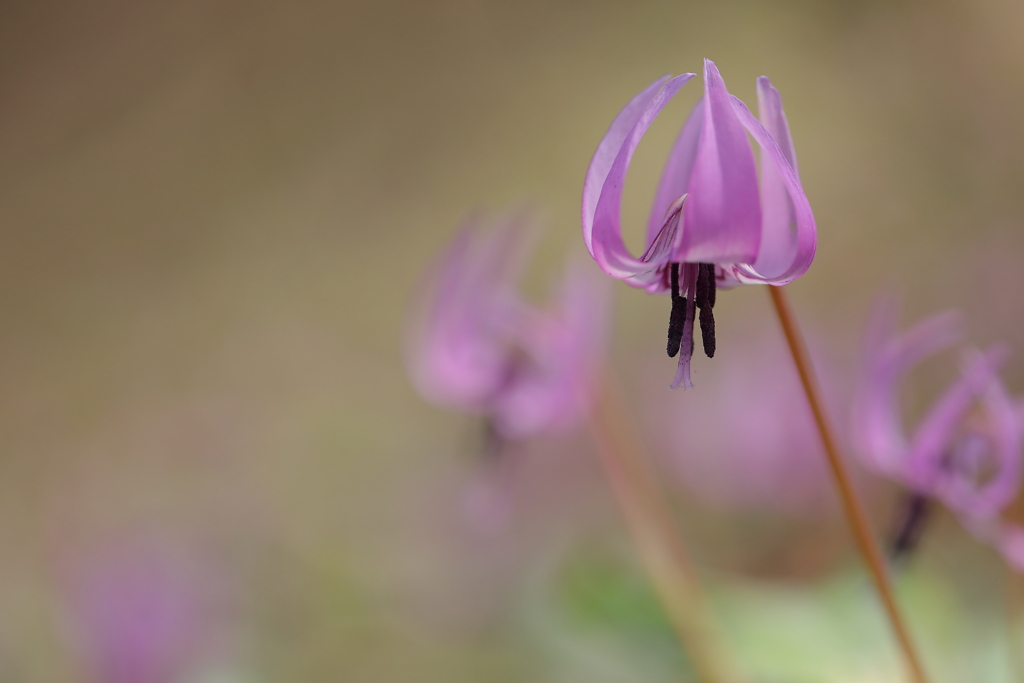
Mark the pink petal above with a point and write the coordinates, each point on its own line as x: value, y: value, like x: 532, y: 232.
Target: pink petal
x: 790, y: 246
x: 722, y: 216
x: 602, y: 188
x: 1002, y: 439
x: 935, y: 432
x: 456, y: 351
x: 675, y: 177
x: 564, y: 347
x: 877, y: 420
x: 779, y: 217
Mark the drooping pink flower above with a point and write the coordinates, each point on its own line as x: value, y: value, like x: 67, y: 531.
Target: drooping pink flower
x: 712, y: 224
x: 477, y: 346
x: 966, y: 450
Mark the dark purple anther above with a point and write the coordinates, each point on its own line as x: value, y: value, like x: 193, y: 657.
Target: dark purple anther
x: 678, y: 316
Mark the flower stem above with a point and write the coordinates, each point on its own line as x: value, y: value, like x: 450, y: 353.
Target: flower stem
x: 650, y: 523
x: 1014, y: 634
x: 852, y: 507
x: 1014, y: 514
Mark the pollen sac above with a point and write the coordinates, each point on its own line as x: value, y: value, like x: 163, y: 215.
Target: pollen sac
x: 676, y: 322
x: 677, y: 319
x: 705, y: 300
x: 701, y: 294
x: 705, y: 293
x: 711, y: 284
x: 707, y: 331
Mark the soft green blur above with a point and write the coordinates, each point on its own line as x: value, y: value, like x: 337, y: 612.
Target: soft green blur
x: 213, y: 215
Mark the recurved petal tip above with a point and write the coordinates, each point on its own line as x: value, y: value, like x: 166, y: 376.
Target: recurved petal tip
x: 602, y: 188
x: 789, y: 233
x: 764, y: 85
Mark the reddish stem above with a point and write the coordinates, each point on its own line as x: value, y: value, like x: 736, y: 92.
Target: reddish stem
x: 852, y: 507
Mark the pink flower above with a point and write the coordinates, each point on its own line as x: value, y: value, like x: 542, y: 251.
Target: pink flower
x: 478, y: 347
x: 711, y: 224
x: 966, y: 450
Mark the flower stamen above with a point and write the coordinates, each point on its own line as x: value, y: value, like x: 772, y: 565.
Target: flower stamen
x: 913, y: 518
x: 705, y: 300
x: 697, y: 291
x: 686, y: 343
x: 678, y: 315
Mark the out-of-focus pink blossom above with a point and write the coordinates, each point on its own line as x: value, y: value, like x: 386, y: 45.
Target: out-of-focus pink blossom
x: 138, y: 615
x: 712, y: 223
x: 477, y: 346
x: 741, y: 449
x: 966, y: 450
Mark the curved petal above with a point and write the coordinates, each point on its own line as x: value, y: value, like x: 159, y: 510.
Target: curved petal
x: 608, y: 149
x: 877, y: 419
x: 779, y: 216
x: 792, y: 251
x: 602, y: 188
x: 1005, y: 435
x: 456, y: 353
x: 949, y: 458
x: 722, y: 215
x: 563, y: 348
x: 933, y: 440
x: 928, y: 337
x: 675, y: 177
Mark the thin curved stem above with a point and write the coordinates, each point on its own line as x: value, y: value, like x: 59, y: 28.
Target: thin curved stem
x: 852, y: 507
x: 1014, y: 514
x: 657, y: 539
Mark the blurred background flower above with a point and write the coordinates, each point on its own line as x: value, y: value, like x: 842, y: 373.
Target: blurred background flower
x: 138, y: 615
x: 743, y: 455
x: 524, y: 370
x: 751, y: 443
x: 478, y: 347
x: 965, y: 451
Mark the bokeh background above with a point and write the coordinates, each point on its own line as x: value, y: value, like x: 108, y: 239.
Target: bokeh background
x: 213, y: 215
